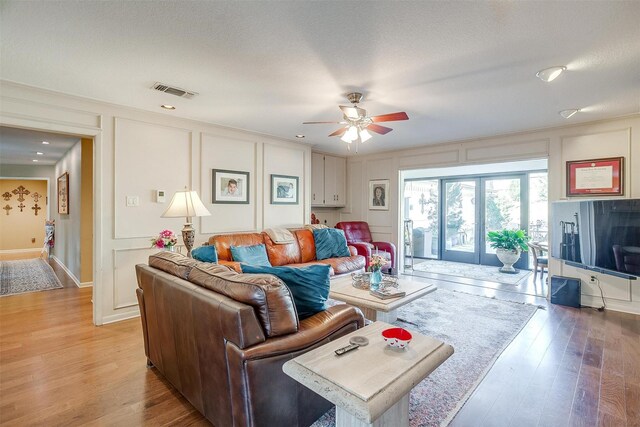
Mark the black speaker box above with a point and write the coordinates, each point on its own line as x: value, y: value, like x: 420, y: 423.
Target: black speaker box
x: 565, y: 291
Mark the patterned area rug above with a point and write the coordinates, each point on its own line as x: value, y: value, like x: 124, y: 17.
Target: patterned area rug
x: 471, y: 271
x: 26, y: 275
x: 478, y: 328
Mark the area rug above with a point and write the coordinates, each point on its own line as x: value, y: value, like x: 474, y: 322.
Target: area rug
x: 471, y: 271
x: 26, y: 275
x: 478, y: 328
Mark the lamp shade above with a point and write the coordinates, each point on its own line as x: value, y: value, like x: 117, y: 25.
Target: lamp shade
x: 185, y: 204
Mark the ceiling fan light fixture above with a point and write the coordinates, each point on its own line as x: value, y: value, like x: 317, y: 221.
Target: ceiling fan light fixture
x: 352, y: 133
x: 568, y: 113
x: 551, y: 73
x: 364, y: 135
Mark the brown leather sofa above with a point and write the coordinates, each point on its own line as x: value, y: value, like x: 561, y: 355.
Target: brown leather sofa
x: 221, y: 338
x: 297, y: 254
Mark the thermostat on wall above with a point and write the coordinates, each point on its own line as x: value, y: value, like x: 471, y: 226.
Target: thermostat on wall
x: 159, y: 196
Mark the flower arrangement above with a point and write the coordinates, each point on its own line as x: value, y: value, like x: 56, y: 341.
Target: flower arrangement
x: 166, y: 239
x: 376, y: 262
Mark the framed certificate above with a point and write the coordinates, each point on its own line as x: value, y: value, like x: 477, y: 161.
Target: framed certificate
x: 597, y: 177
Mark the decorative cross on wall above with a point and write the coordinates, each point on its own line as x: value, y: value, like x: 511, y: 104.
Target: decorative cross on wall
x: 36, y: 196
x: 423, y: 201
x: 36, y: 208
x: 22, y: 206
x: 21, y: 191
x: 7, y: 208
x: 6, y: 196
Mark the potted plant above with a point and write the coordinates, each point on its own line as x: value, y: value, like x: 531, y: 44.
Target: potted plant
x: 508, y: 245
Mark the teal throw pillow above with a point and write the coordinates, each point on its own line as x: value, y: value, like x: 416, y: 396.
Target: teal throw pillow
x: 205, y: 254
x: 330, y: 243
x: 252, y: 255
x: 309, y: 285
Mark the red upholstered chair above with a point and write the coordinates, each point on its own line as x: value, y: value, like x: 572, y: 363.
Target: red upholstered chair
x: 359, y: 236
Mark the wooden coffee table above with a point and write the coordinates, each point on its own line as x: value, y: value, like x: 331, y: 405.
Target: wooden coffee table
x: 370, y: 386
x: 375, y: 308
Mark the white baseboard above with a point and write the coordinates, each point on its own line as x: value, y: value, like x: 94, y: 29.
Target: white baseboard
x: 612, y: 304
x: 85, y: 284
x: 20, y: 251
x: 119, y: 317
x: 66, y: 270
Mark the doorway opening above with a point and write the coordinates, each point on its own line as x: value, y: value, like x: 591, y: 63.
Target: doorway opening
x: 451, y: 210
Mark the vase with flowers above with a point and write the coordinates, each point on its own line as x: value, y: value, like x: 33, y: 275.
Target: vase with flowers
x: 166, y: 240
x: 375, y: 266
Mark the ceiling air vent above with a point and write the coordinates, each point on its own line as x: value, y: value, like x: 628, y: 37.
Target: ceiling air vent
x: 173, y: 90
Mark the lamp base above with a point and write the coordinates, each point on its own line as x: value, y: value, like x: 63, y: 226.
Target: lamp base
x: 188, y: 236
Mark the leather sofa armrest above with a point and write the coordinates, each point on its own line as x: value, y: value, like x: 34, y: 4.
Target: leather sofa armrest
x: 313, y: 330
x: 363, y: 249
x: 231, y: 264
x: 352, y: 250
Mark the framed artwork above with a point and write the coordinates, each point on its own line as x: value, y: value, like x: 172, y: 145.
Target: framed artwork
x: 597, y: 177
x: 63, y: 194
x: 229, y: 187
x: 379, y: 195
x: 284, y: 190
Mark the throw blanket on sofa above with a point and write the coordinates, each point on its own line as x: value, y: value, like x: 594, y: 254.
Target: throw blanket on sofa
x: 280, y: 236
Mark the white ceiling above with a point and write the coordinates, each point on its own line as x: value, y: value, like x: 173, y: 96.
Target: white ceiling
x: 19, y: 146
x: 459, y: 69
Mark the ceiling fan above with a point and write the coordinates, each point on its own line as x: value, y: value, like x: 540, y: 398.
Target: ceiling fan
x: 357, y: 124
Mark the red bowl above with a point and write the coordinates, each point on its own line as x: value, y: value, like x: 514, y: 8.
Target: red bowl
x: 397, y: 337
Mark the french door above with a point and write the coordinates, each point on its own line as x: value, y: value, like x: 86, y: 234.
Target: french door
x: 473, y: 206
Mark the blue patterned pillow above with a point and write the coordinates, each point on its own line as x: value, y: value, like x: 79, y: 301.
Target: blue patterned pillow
x: 330, y: 243
x: 252, y: 255
x: 205, y: 254
x: 309, y: 285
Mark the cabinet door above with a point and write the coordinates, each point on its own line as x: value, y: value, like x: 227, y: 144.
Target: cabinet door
x: 317, y: 179
x: 341, y: 181
x: 330, y: 183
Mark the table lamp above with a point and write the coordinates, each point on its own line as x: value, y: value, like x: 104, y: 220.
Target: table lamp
x: 187, y: 204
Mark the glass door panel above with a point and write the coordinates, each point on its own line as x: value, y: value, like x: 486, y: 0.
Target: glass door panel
x: 502, y: 209
x: 422, y: 205
x: 460, y: 220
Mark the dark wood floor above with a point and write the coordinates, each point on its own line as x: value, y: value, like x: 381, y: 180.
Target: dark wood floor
x: 567, y: 367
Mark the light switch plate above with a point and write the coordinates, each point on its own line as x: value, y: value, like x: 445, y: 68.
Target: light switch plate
x: 133, y: 201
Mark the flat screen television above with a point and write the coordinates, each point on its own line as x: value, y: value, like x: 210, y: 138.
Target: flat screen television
x: 601, y: 235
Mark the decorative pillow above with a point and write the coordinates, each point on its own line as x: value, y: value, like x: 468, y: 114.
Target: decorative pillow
x: 205, y: 254
x: 309, y: 285
x: 330, y: 243
x: 252, y: 255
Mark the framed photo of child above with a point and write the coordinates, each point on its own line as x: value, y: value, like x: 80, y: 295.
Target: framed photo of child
x: 230, y: 187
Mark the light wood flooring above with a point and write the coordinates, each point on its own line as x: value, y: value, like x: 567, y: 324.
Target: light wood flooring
x: 566, y: 367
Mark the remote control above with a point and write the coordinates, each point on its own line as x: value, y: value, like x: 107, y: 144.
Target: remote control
x: 346, y: 349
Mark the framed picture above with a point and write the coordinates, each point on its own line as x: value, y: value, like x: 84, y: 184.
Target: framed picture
x: 63, y: 194
x: 284, y: 190
x: 599, y: 177
x: 229, y: 187
x: 379, y: 195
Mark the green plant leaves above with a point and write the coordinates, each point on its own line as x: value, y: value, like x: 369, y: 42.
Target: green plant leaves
x: 508, y: 239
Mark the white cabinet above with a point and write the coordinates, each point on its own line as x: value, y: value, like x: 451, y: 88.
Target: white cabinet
x: 328, y: 180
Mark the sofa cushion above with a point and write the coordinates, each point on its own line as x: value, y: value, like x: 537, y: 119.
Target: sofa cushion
x: 205, y: 254
x: 253, y: 255
x: 281, y: 253
x: 223, y: 242
x: 345, y: 265
x: 306, y: 244
x: 330, y: 243
x: 172, y: 263
x: 309, y: 285
x: 268, y: 295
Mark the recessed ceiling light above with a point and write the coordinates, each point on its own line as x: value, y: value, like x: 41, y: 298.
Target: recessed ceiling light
x: 34, y: 160
x: 168, y: 107
x: 299, y: 135
x: 568, y: 113
x: 45, y: 142
x: 39, y: 153
x: 549, y: 74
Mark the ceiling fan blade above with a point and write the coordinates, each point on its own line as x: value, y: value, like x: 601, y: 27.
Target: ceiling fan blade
x: 353, y: 112
x: 392, y: 117
x: 382, y: 130
x: 318, y: 123
x: 339, y: 132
